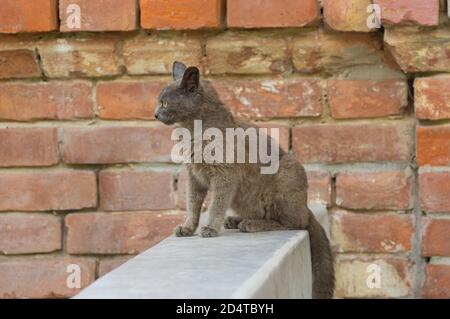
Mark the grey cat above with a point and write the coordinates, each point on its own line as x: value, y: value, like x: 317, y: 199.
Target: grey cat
x: 262, y: 202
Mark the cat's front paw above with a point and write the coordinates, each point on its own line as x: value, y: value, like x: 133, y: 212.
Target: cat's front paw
x: 183, y: 231
x: 232, y: 222
x: 207, y: 232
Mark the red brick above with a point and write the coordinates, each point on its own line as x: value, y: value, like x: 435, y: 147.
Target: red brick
x: 107, y: 265
x: 346, y: 15
x: 29, y: 233
x: 334, y: 52
x: 367, y: 98
x: 47, y: 191
x: 51, y: 101
x: 374, y: 190
x: 174, y: 14
x: 106, y: 145
x: 154, y: 53
x: 135, y: 190
x: 79, y: 57
x: 28, y: 16
x: 42, y: 277
x: 249, y: 52
x: 433, y: 145
x: 118, y: 233
x: 116, y: 15
x: 272, y: 13
x: 352, y: 274
x: 434, y: 188
x: 28, y: 147
x: 432, y: 98
x: 368, y: 233
x: 437, y: 281
x: 340, y: 143
x: 271, y: 98
x: 20, y: 63
x: 128, y: 100
x: 401, y: 12
x: 419, y: 49
x: 319, y: 187
x: 435, y: 237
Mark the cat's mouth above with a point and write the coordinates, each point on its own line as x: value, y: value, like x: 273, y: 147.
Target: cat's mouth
x: 168, y: 120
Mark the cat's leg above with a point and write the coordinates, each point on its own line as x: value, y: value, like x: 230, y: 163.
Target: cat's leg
x: 259, y: 225
x: 232, y: 222
x: 224, y: 190
x: 196, y: 194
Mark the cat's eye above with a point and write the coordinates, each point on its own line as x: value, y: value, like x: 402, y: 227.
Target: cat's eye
x: 164, y: 104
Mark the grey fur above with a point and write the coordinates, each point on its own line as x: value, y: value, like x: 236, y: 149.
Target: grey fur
x: 261, y: 202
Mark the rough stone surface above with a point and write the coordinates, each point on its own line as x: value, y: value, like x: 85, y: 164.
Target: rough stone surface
x: 433, y: 145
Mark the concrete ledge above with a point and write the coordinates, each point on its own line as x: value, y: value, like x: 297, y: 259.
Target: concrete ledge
x: 234, y: 265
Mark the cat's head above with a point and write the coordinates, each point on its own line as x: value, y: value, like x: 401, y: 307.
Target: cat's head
x: 180, y: 100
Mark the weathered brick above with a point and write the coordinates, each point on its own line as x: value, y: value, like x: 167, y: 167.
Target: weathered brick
x: 248, y: 52
x: 20, y: 63
x: 368, y: 233
x: 28, y: 147
x: 437, y: 281
x: 374, y: 190
x: 83, y: 57
x: 135, y: 190
x: 401, y: 12
x: 271, y: 98
x: 367, y: 98
x: 127, y: 100
x: 155, y: 53
x: 174, y: 14
x: 47, y: 191
x: 108, y: 264
x: 272, y: 13
x: 106, y: 145
x: 51, y: 101
x: 118, y: 233
x: 353, y: 275
x: 115, y: 15
x: 29, y: 233
x: 346, y: 15
x: 336, y: 52
x: 340, y: 143
x: 433, y: 145
x: 420, y: 50
x: 43, y: 277
x: 435, y: 237
x: 19, y: 16
x: 319, y: 187
x: 432, y: 97
x: 434, y: 188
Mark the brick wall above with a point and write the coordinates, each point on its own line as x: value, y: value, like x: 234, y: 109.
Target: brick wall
x: 85, y: 175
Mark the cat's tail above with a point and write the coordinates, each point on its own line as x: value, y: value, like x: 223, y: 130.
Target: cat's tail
x: 322, y: 260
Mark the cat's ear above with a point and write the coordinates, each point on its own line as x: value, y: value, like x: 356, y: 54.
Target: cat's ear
x: 178, y: 69
x: 191, y: 79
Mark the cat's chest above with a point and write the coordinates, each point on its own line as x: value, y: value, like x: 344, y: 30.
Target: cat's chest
x: 204, y: 173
